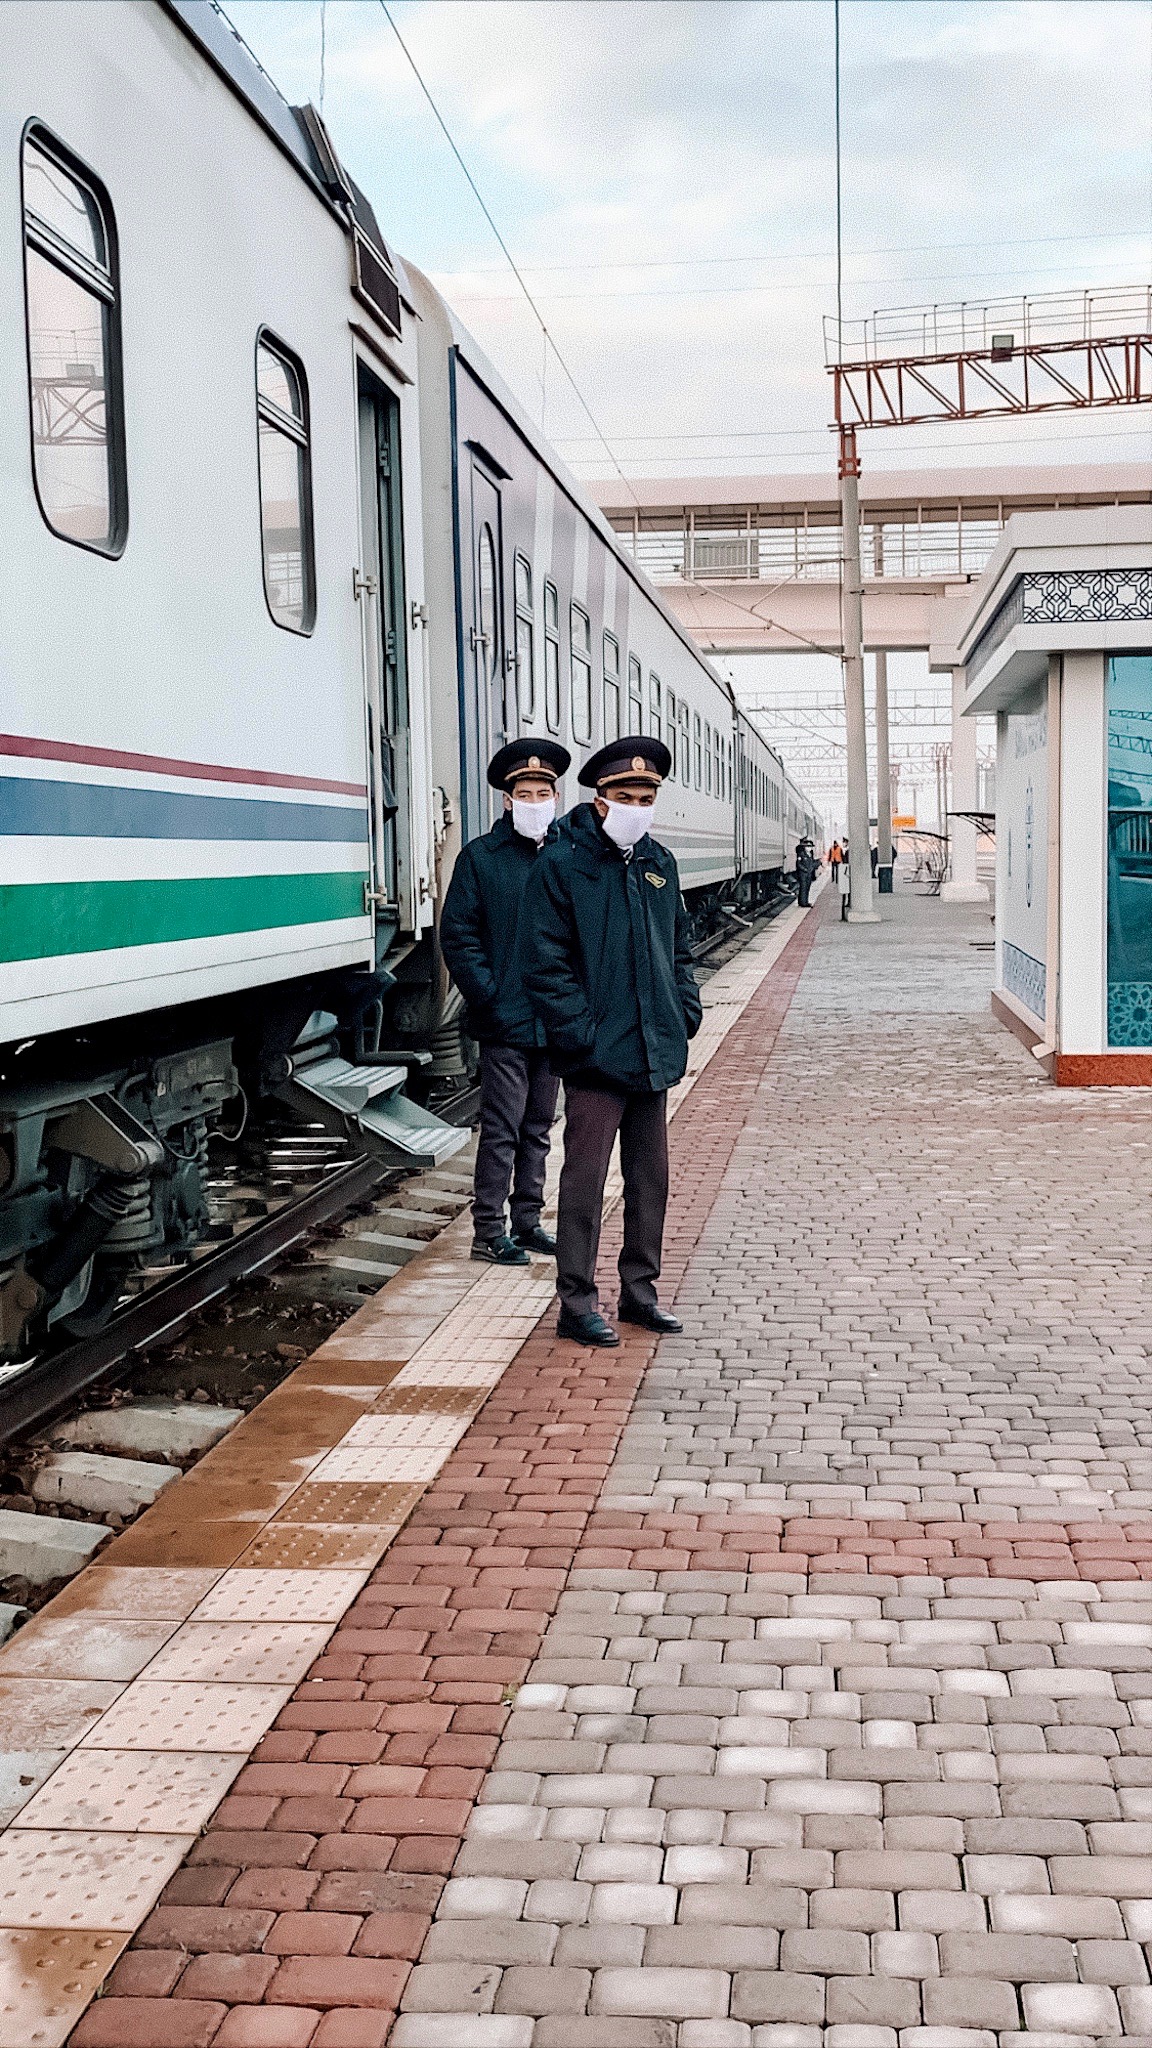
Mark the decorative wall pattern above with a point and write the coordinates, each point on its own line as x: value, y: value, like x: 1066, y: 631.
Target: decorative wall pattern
x: 1129, y: 1013
x: 1065, y: 597
x: 1026, y: 979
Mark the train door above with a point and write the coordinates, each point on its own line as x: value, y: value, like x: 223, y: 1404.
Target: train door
x: 381, y: 590
x: 493, y: 691
x: 740, y: 802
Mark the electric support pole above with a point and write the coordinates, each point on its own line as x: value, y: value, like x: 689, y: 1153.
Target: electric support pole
x: 861, y: 907
x: 883, y: 780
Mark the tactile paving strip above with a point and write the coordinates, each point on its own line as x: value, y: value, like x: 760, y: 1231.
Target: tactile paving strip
x: 75, y: 1880
x: 150, y: 1715
x: 420, y: 1463
x: 248, y: 1594
x: 294, y: 1546
x: 46, y: 1980
x: 235, y: 1652
x: 132, y: 1792
x: 322, y: 1503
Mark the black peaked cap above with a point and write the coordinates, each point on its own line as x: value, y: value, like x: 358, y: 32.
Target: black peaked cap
x: 524, y: 757
x: 638, y: 756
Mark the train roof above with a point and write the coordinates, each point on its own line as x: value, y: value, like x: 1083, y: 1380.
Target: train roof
x: 485, y: 370
x: 298, y: 132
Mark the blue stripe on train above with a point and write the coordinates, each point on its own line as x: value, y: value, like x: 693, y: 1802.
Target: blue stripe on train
x: 92, y: 810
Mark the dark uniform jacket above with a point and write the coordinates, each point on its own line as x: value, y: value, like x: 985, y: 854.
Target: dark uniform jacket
x: 608, y: 967
x: 479, y: 928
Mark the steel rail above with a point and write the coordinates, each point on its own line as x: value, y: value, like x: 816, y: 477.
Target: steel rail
x: 33, y: 1393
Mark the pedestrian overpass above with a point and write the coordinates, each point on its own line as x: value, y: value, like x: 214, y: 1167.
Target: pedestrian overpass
x: 750, y: 565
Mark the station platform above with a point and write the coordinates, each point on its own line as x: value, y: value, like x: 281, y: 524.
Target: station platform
x: 787, y: 1684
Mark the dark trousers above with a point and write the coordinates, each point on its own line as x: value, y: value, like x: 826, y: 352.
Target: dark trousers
x: 518, y: 1093
x: 592, y: 1117
x: 805, y: 891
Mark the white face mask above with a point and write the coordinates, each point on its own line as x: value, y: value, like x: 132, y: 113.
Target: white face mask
x: 626, y: 823
x: 532, y: 820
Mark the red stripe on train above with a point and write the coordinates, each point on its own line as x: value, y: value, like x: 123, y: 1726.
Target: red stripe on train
x: 158, y: 764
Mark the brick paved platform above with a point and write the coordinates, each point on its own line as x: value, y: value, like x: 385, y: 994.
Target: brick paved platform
x: 788, y: 1683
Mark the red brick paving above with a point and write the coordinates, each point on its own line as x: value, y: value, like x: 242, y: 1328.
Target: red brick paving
x: 616, y: 1540
x: 365, y: 1785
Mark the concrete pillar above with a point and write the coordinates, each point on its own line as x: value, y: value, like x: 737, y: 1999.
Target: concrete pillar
x: 962, y: 886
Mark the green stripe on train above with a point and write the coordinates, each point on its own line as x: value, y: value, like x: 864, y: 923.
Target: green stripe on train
x: 39, y: 920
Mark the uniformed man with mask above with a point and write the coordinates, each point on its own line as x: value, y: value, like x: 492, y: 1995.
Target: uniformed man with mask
x: 480, y: 933
x: 610, y: 974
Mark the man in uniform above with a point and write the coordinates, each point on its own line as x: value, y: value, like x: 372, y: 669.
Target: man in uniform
x: 609, y: 971
x: 807, y: 868
x: 480, y: 936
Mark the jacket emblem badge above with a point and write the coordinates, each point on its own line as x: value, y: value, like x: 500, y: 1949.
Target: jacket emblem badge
x: 657, y: 881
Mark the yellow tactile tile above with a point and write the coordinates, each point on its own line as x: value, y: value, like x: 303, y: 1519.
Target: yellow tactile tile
x: 132, y: 1792
x: 47, y: 1978
x: 98, y: 1881
x: 246, y: 1594
x: 233, y: 1652
x: 180, y: 1714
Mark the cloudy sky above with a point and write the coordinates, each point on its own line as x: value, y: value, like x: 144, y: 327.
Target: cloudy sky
x: 663, y: 172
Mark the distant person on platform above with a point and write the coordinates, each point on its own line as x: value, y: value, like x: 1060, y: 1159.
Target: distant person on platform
x: 609, y: 970
x: 480, y: 936
x: 807, y: 869
x: 835, y: 858
x: 874, y: 857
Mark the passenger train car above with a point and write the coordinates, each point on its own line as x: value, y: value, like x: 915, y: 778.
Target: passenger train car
x: 284, y: 563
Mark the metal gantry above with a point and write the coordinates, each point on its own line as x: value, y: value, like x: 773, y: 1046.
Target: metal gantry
x: 1058, y: 352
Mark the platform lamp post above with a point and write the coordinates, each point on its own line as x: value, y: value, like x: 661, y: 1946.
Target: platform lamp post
x: 861, y: 904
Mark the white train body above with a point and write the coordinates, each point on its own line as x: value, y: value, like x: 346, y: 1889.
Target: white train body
x: 284, y: 563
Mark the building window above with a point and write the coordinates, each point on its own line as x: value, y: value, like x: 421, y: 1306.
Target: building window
x: 655, y: 706
x: 525, y: 639
x: 611, y: 687
x: 74, y: 368
x: 580, y: 668
x: 635, y: 695
x: 685, y: 745
x: 285, y: 487
x: 1129, y: 850
x: 551, y: 657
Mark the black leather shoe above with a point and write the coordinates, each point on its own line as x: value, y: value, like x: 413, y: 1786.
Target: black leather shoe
x: 654, y: 1318
x: 589, y: 1329
x: 535, y: 1240
x: 499, y: 1251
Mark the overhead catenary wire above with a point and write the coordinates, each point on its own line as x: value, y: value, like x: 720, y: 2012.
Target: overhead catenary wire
x: 512, y: 264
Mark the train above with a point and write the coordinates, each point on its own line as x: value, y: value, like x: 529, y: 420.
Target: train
x: 285, y: 563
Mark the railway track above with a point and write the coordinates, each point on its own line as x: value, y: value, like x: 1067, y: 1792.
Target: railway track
x: 304, y: 1227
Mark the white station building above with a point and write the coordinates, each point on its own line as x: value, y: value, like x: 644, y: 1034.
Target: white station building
x: 1055, y: 640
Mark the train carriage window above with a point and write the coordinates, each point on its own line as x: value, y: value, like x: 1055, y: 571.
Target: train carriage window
x: 635, y: 694
x: 729, y: 771
x: 285, y: 486
x: 670, y: 716
x: 551, y: 658
x: 611, y: 687
x: 74, y: 364
x: 525, y: 639
x: 580, y: 667
x: 655, y: 706
x: 698, y: 748
x: 685, y: 745
x: 708, y: 759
